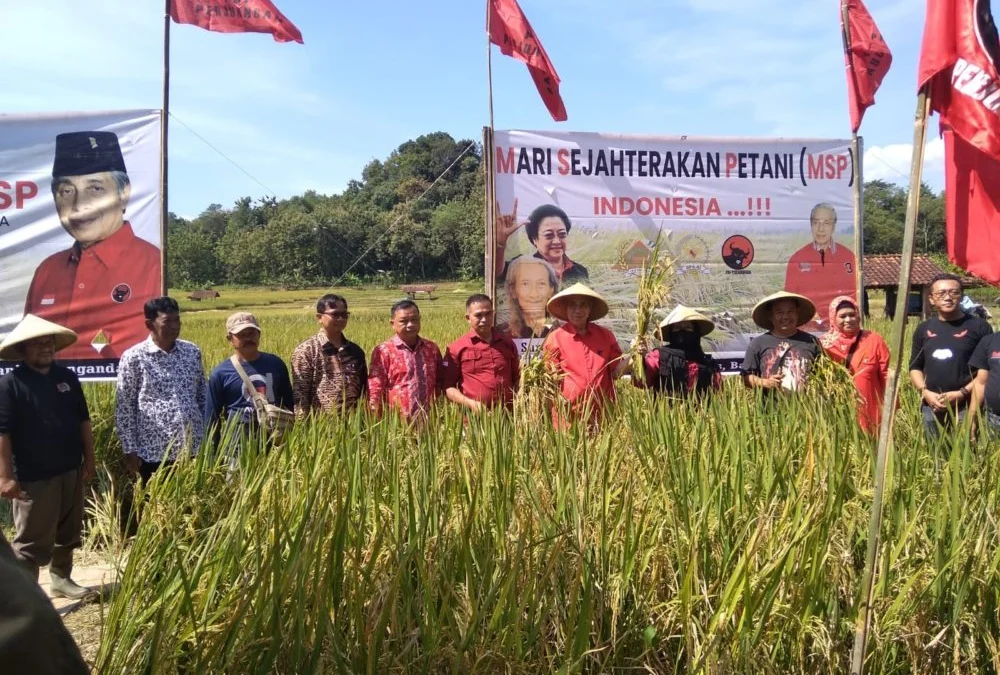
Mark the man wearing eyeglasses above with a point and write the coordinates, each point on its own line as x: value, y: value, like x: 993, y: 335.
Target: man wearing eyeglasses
x: 329, y: 372
x: 822, y: 269
x: 942, y: 349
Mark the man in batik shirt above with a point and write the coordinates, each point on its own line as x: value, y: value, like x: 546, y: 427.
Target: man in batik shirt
x: 406, y: 370
x: 328, y: 370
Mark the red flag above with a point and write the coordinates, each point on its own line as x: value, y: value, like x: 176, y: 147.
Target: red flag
x: 868, y: 59
x: 972, y: 207
x: 511, y: 32
x: 236, y: 16
x: 959, y: 61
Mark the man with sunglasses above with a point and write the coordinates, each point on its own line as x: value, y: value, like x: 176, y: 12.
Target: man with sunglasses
x: 329, y: 372
x: 940, y: 360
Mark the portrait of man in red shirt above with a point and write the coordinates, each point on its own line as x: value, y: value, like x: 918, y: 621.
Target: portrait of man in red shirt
x: 822, y: 269
x: 98, y: 286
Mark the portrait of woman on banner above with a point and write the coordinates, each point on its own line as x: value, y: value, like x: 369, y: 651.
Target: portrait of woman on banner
x: 529, y: 285
x: 548, y: 229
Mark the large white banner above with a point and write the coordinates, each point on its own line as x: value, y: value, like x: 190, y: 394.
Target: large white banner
x: 80, y: 229
x: 743, y: 218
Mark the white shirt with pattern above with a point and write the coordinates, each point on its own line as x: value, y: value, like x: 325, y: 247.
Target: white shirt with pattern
x: 161, y: 400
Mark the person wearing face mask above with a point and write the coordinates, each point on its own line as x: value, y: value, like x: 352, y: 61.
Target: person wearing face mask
x: 865, y: 355
x: 780, y: 359
x: 680, y: 367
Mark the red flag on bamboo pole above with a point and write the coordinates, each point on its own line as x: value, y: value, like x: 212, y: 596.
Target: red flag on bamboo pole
x: 512, y: 33
x: 236, y: 16
x: 867, y: 55
x: 959, y: 62
x: 960, y: 65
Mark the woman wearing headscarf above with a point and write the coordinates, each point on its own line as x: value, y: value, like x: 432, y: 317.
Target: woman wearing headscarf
x: 864, y: 354
x: 680, y: 366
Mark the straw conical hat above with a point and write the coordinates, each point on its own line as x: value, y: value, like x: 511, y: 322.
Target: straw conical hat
x: 762, y: 310
x: 32, y: 327
x: 702, y: 324
x: 557, y: 303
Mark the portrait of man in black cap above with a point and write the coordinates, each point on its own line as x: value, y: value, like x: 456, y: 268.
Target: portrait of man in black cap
x: 98, y: 286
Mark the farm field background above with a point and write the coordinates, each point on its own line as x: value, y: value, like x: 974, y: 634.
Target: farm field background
x: 720, y: 537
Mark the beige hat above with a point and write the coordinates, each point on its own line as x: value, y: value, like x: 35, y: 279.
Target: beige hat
x: 762, y: 310
x: 241, y: 321
x: 703, y: 325
x: 32, y: 327
x: 557, y: 303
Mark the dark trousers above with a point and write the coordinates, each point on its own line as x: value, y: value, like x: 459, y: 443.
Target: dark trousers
x: 49, y: 522
x: 147, y: 469
x: 130, y: 520
x: 935, y: 423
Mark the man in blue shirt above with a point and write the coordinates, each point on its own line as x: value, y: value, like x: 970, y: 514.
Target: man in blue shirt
x: 228, y: 401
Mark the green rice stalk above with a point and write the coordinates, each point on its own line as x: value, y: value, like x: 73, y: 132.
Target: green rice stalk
x: 652, y: 292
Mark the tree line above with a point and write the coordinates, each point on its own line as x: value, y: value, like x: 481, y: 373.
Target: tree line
x: 394, y: 224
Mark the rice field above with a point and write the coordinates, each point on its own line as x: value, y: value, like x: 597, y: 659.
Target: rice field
x: 719, y: 537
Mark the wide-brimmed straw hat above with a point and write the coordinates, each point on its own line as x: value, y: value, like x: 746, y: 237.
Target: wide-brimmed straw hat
x: 762, y: 310
x: 32, y: 327
x: 557, y: 303
x: 702, y: 324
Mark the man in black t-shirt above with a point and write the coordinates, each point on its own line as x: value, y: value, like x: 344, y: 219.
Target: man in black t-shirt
x: 46, y: 451
x: 940, y: 365
x: 986, y: 386
x: 780, y: 359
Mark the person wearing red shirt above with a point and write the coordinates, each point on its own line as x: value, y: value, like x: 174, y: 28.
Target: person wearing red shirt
x: 822, y: 269
x: 405, y: 370
x: 98, y: 286
x: 482, y: 368
x: 585, y: 355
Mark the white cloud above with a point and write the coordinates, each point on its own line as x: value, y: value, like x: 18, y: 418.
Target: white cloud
x: 892, y: 163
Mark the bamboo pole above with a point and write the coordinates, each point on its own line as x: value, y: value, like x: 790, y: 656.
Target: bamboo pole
x: 859, y: 286
x: 489, y: 262
x: 859, y: 226
x: 164, y: 127
x: 863, y: 621
x: 489, y: 271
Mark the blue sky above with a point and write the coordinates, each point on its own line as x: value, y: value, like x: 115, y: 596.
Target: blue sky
x: 372, y: 75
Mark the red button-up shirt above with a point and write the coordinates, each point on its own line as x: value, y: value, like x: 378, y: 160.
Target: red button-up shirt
x: 587, y: 362
x: 484, y: 371
x: 821, y: 275
x: 408, y: 378
x: 100, y: 289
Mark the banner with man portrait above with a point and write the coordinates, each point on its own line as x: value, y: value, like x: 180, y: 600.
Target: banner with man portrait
x: 742, y: 218
x: 80, y: 229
